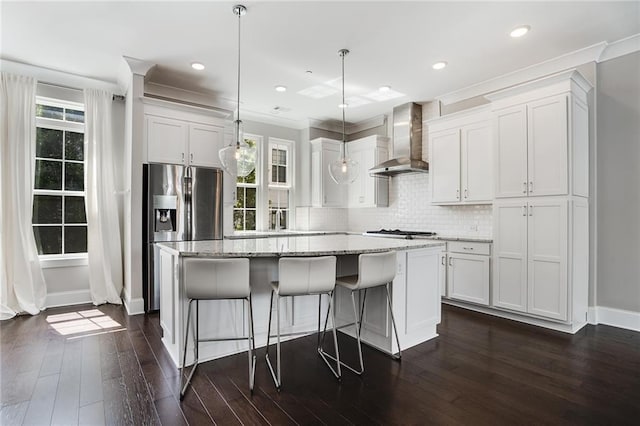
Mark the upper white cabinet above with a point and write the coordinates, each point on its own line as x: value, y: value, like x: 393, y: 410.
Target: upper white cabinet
x: 460, y: 158
x: 542, y: 139
x: 177, y: 136
x: 366, y: 190
x: 324, y: 191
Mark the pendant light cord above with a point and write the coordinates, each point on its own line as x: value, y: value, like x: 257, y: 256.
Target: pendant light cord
x: 239, y: 11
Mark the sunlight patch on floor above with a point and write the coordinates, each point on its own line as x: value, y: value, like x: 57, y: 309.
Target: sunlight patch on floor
x: 82, y: 322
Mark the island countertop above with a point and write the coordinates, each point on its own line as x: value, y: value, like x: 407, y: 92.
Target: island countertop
x: 315, y: 245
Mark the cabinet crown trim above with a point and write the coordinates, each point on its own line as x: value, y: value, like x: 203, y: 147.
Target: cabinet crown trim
x: 569, y: 76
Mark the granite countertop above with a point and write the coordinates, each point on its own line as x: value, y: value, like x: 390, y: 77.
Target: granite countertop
x: 284, y: 233
x: 469, y: 239
x: 315, y: 245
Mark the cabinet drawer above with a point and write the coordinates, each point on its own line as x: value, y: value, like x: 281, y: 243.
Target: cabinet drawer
x: 469, y: 247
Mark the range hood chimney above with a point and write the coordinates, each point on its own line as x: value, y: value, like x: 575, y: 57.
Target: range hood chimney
x: 407, y: 143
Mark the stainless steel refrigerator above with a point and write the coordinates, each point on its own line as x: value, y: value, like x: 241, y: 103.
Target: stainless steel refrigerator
x: 180, y: 203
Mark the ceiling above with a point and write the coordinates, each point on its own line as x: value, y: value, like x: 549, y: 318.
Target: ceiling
x: 392, y: 43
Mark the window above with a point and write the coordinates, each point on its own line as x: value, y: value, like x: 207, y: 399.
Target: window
x: 279, y: 183
x: 245, y: 211
x: 59, y: 217
x: 271, y: 182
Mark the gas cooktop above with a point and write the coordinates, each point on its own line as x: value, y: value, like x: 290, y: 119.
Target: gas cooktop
x: 399, y: 233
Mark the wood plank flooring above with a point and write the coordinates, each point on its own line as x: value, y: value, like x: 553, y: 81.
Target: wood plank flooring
x: 110, y: 368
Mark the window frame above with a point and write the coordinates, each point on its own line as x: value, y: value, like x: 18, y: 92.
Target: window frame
x: 259, y: 179
x: 288, y: 146
x: 60, y: 259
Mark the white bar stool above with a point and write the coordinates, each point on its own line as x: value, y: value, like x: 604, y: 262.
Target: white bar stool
x: 216, y: 279
x: 300, y: 276
x: 374, y: 270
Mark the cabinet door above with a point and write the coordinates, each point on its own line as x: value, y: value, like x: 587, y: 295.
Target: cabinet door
x: 355, y: 191
x: 445, y: 166
x: 547, y: 250
x: 548, y: 142
x: 510, y: 159
x: 333, y: 195
x: 468, y: 278
x: 204, y: 143
x: 510, y: 255
x: 477, y: 162
x: 166, y: 281
x: 166, y: 140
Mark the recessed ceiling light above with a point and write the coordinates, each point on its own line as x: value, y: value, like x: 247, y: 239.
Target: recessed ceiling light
x: 280, y: 88
x: 197, y: 66
x: 439, y: 65
x: 520, y: 31
x: 384, y: 88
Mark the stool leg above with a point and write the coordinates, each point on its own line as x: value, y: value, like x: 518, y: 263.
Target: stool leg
x: 393, y: 321
x: 358, y: 328
x: 325, y: 356
x: 183, y: 388
x: 364, y: 298
x: 276, y: 380
x: 252, y: 347
x: 278, y: 339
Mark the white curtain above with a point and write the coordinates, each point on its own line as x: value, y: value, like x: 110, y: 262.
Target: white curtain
x: 23, y: 287
x: 103, y: 234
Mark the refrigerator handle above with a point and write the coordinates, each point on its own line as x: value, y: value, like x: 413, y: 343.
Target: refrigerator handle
x: 187, y: 188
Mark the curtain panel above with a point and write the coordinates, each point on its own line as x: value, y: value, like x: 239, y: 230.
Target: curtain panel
x: 22, y: 285
x: 103, y: 234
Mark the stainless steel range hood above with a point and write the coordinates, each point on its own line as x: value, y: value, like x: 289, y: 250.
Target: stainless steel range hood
x: 407, y: 143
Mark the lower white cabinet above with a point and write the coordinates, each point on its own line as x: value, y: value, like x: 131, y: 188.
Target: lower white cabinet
x: 466, y: 269
x: 541, y: 257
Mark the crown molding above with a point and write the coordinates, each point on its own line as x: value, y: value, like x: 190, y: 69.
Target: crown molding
x: 275, y: 120
x: 534, y: 72
x: 620, y: 48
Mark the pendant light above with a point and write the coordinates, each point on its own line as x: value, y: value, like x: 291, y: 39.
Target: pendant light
x: 343, y: 170
x: 238, y: 159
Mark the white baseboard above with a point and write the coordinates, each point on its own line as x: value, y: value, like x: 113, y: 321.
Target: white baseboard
x: 134, y: 306
x: 629, y: 320
x: 65, y: 298
x: 592, y: 315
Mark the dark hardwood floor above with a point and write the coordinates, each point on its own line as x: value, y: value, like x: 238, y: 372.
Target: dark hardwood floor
x: 87, y: 365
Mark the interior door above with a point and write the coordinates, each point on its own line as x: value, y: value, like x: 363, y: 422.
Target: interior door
x: 547, y: 249
x: 510, y: 256
x: 510, y: 127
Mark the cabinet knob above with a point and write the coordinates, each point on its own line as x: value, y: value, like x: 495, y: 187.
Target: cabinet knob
x: 466, y: 193
x: 524, y: 187
x: 531, y: 186
x: 530, y: 210
x: 457, y: 194
x: 524, y: 210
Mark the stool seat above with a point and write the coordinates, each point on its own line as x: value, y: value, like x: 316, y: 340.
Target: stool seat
x: 350, y: 281
x: 303, y: 276
x: 215, y: 279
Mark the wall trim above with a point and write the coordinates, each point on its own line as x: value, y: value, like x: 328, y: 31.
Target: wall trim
x: 620, y: 48
x: 620, y: 318
x: 134, y: 306
x: 66, y: 298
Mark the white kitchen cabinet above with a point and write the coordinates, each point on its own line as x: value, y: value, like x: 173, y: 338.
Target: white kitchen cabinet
x: 366, y: 190
x: 460, y: 158
x: 542, y: 138
x: 466, y: 266
x: 324, y: 191
x: 531, y: 253
x: 177, y: 136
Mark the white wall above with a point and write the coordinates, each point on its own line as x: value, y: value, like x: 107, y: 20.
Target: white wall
x: 618, y: 183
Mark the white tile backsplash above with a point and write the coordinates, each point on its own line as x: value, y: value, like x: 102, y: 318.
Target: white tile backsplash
x: 409, y: 208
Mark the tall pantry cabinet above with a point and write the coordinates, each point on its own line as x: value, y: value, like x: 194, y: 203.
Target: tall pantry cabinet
x: 541, y: 212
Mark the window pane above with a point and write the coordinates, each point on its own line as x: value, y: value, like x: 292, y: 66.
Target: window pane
x: 73, y: 115
x: 282, y: 174
x: 250, y: 224
x: 47, y: 111
x: 250, y: 178
x: 47, y: 209
x: 74, y: 176
x: 75, y: 239
x: 238, y: 220
x: 48, y: 239
x: 240, y: 196
x: 74, y: 210
x: 48, y: 143
x: 250, y: 197
x: 48, y: 174
x: 278, y: 198
x: 274, y: 174
x: 74, y: 146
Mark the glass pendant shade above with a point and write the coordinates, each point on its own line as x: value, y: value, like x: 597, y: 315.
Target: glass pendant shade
x: 343, y: 171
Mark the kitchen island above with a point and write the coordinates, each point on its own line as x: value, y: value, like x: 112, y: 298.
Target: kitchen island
x: 415, y: 291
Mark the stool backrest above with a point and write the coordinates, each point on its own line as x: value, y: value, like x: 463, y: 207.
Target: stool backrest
x: 206, y: 278
x: 376, y: 269
x: 306, y: 275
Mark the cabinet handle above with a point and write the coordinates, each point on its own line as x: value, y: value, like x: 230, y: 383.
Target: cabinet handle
x: 524, y: 187
x: 192, y: 157
x: 524, y: 210
x: 443, y: 261
x: 466, y: 193
x: 457, y: 194
x: 450, y: 261
x: 467, y: 248
x: 530, y: 210
x: 183, y: 157
x: 531, y: 186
